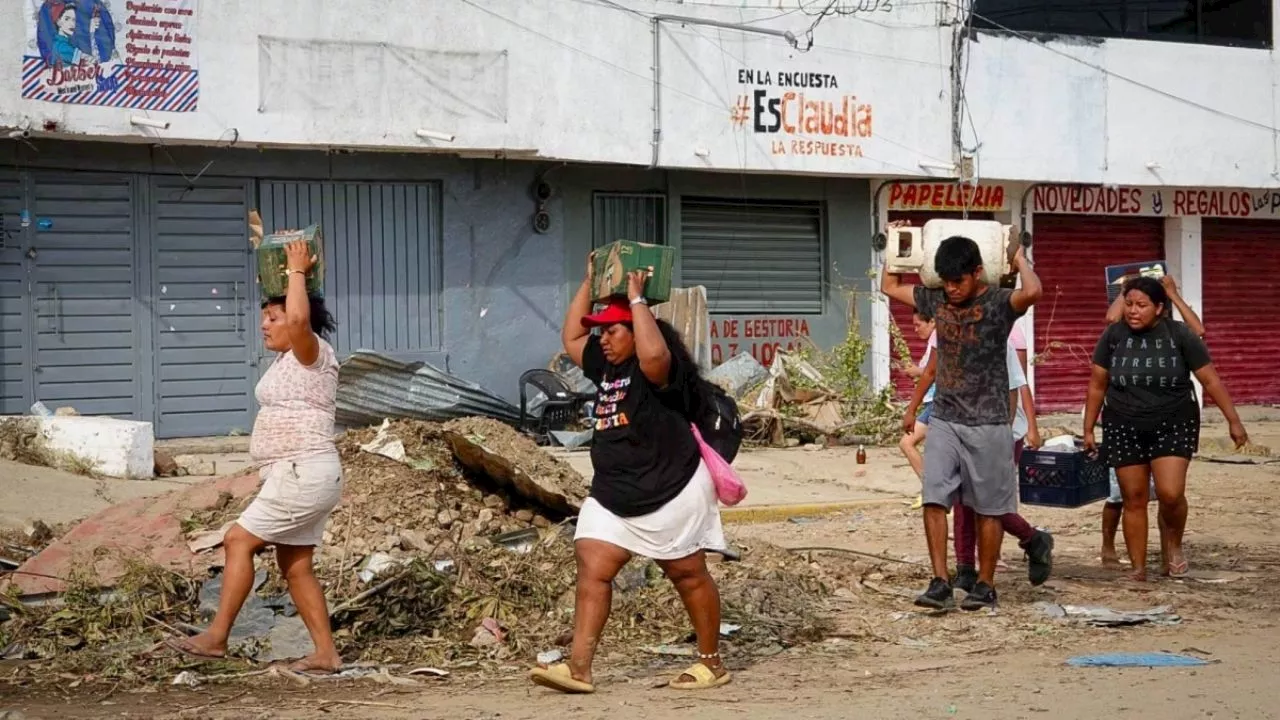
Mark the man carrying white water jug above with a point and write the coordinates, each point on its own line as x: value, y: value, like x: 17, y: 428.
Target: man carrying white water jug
x: 969, y: 456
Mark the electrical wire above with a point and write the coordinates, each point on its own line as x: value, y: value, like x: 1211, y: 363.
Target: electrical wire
x: 721, y: 105
x: 1124, y: 78
x: 834, y: 8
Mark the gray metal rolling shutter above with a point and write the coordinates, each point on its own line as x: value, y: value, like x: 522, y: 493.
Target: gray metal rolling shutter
x: 753, y: 256
x: 382, y: 258
x: 15, y: 358
x: 203, y: 313
x: 87, y: 346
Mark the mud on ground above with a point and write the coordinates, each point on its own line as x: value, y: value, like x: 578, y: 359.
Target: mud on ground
x: 882, y: 657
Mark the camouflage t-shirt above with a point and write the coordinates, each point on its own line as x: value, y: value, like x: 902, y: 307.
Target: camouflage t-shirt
x: 973, y: 378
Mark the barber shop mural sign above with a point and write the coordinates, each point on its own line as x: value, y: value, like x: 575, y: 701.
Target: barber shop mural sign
x: 138, y: 54
x: 802, y: 113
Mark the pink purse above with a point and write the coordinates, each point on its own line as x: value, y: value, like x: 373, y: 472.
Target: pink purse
x: 730, y: 489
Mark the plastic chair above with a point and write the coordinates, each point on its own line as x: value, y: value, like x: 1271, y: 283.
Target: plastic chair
x: 562, y: 408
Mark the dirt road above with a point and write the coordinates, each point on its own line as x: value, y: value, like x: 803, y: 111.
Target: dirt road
x: 889, y: 660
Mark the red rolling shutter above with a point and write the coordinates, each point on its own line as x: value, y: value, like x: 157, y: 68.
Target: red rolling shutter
x: 901, y: 314
x: 1240, y: 292
x: 1071, y: 255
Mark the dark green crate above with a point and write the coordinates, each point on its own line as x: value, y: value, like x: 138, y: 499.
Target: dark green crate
x: 611, y: 264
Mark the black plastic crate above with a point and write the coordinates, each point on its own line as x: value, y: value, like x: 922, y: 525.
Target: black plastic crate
x: 1061, y: 479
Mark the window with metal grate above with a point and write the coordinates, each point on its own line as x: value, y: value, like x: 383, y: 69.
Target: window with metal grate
x: 638, y: 217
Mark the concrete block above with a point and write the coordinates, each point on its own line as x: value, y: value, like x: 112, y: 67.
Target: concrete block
x: 111, y: 447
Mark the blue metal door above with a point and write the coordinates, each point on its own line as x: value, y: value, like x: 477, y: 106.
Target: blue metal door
x: 83, y: 291
x: 382, y: 268
x: 15, y: 342
x: 203, y: 325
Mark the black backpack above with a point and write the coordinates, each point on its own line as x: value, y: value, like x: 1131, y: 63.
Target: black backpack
x: 716, y: 415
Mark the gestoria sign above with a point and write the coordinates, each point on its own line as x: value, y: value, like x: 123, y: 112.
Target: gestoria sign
x: 1155, y: 202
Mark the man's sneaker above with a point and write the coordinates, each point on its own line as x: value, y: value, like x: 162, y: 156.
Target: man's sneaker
x: 939, y: 596
x: 1039, y: 551
x: 981, y: 596
x: 966, y: 578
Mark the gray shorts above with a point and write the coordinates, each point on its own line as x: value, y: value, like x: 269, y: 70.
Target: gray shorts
x: 972, y: 464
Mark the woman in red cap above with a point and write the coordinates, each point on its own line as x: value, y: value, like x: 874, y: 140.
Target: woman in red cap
x: 651, y: 495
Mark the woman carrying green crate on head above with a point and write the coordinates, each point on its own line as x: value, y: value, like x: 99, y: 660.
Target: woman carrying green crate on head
x: 1142, y: 367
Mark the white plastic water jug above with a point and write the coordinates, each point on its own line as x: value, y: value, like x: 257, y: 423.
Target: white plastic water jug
x: 912, y: 249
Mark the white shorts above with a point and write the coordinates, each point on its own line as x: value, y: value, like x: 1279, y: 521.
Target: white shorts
x: 295, y: 500
x: 690, y: 522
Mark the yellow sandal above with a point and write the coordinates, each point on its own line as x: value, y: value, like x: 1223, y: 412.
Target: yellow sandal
x: 560, y: 678
x: 704, y: 678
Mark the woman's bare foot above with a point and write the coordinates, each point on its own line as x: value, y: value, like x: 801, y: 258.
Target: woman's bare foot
x: 201, y: 647
x: 318, y: 664
x: 1110, y: 559
x: 1138, y: 575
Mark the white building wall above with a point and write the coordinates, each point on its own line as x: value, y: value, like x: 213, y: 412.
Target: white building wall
x: 1123, y: 112
x: 565, y: 79
x: 574, y: 80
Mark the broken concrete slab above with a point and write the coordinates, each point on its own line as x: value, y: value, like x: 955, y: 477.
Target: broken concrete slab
x: 552, y: 490
x: 145, y: 528
x: 104, y: 446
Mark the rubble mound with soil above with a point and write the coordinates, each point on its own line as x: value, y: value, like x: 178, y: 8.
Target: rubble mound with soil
x: 430, y: 500
x: 468, y: 574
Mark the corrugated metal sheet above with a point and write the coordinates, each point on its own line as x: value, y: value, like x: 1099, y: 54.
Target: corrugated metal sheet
x: 639, y: 217
x: 382, y: 253
x: 1071, y: 255
x: 15, y: 352
x: 754, y: 256
x: 205, y: 317
x: 373, y: 386
x: 901, y: 314
x: 1241, y: 265
x: 87, y: 345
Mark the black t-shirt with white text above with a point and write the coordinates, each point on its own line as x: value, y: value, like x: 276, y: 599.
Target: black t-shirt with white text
x: 1150, y: 372
x: 643, y: 451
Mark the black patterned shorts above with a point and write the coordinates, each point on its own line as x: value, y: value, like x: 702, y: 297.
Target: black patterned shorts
x: 1124, y: 444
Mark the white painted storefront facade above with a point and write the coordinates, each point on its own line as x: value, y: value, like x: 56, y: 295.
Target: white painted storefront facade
x: 1114, y: 127
x: 575, y: 80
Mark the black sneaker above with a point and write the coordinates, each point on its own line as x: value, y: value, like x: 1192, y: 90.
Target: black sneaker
x: 981, y: 596
x: 966, y: 578
x: 939, y: 596
x: 1039, y: 551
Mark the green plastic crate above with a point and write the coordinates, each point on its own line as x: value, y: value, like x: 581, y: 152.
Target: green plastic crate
x: 272, y: 261
x: 611, y: 264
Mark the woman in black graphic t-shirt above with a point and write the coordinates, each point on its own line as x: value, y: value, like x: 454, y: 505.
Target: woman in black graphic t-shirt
x: 651, y: 495
x: 1142, y: 367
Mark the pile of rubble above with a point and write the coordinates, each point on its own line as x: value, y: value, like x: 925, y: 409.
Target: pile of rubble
x: 408, y: 493
x: 452, y: 547
x: 809, y: 398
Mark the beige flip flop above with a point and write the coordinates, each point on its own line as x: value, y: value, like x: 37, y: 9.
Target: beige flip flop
x: 184, y: 647
x: 560, y: 678
x: 703, y: 678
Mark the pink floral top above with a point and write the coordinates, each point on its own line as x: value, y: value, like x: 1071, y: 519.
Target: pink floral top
x: 297, y: 408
